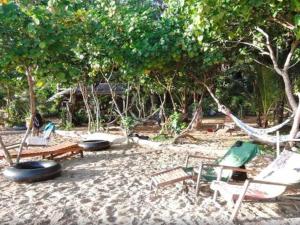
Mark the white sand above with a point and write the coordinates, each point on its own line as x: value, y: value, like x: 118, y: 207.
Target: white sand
x: 112, y: 187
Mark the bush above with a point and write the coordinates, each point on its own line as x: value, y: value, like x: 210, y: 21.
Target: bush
x: 17, y: 112
x: 161, y: 138
x: 175, y: 124
x: 127, y: 123
x: 80, y: 117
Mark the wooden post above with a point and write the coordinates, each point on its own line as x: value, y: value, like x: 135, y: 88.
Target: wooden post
x: 32, y: 110
x: 6, y: 153
x: 277, y: 144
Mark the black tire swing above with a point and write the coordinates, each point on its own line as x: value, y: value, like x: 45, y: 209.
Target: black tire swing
x: 94, y: 145
x: 33, y: 171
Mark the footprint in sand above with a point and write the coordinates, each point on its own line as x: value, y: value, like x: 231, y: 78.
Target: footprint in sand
x: 85, y: 200
x: 111, y: 219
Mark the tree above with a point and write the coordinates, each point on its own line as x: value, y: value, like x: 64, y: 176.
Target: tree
x: 270, y: 29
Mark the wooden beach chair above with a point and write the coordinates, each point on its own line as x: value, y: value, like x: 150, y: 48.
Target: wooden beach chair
x: 238, y: 155
x: 168, y: 177
x: 53, y: 152
x: 269, y: 184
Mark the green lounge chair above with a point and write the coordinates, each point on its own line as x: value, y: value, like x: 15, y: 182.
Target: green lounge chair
x: 237, y: 156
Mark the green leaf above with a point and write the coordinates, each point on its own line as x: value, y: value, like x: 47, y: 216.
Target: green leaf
x: 42, y: 45
x: 297, y: 19
x: 297, y: 32
x: 40, y: 84
x: 296, y: 5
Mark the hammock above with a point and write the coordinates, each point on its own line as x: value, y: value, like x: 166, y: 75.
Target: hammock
x: 258, y: 131
x: 255, y: 133
x: 269, y: 139
x: 262, y: 134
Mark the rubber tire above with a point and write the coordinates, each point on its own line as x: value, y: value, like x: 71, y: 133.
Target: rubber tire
x: 19, y: 128
x: 33, y: 171
x: 94, y: 145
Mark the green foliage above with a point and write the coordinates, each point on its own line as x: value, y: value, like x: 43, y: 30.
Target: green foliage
x: 67, y: 126
x: 175, y: 124
x: 80, y: 117
x: 128, y: 123
x: 269, y: 89
x: 161, y: 138
x: 17, y: 112
x: 151, y: 47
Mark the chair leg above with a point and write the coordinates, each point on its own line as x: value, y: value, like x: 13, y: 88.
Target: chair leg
x: 185, y: 187
x: 218, y: 179
x: 187, y: 161
x: 240, y: 200
x: 199, y: 178
x: 215, y: 195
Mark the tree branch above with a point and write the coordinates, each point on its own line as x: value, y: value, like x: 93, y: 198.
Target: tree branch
x: 295, y: 126
x: 283, y: 23
x: 272, y: 55
x: 251, y: 45
x: 290, y: 55
x: 294, y: 64
x: 255, y: 60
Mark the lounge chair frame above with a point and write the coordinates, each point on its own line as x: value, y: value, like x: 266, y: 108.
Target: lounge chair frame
x: 246, y: 185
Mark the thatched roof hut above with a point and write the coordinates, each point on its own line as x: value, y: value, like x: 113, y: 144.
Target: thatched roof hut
x: 100, y: 89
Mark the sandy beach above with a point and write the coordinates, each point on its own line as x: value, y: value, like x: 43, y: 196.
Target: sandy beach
x: 113, y: 187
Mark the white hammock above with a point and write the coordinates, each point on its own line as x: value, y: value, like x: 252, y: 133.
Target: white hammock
x: 258, y: 134
x: 262, y: 134
x: 258, y: 131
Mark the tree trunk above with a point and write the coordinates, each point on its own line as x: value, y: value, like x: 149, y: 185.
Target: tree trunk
x: 172, y: 100
x: 153, y: 104
x: 32, y: 110
x: 8, y: 100
x: 71, y: 105
x: 266, y: 121
x: 289, y: 91
x: 284, y: 71
x: 184, y: 106
x: 197, y: 118
x: 259, y: 120
x: 296, y: 123
x: 5, y: 152
x: 84, y: 94
x: 162, y: 115
x: 196, y: 121
x: 97, y: 110
x: 280, y: 111
x: 125, y: 105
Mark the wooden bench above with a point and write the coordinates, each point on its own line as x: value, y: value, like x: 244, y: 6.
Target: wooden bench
x: 63, y: 150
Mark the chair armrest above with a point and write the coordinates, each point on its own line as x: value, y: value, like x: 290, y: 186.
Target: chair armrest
x: 12, y: 146
x: 266, y: 182
x: 202, y: 157
x: 230, y: 168
x: 198, y: 157
x: 165, y: 171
